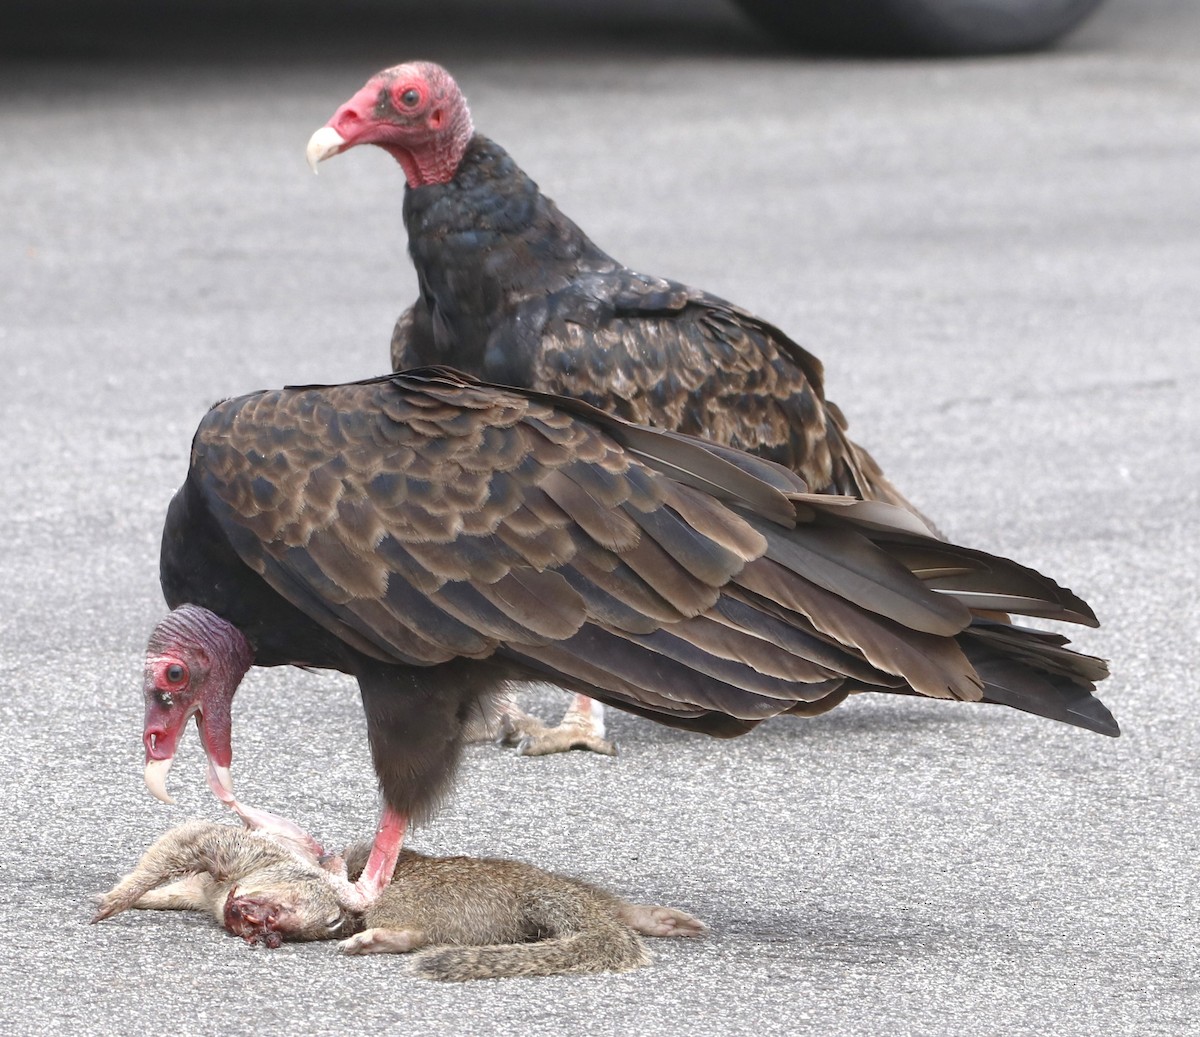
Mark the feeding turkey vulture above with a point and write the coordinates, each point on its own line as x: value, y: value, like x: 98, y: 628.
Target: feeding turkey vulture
x: 512, y: 291
x: 435, y: 536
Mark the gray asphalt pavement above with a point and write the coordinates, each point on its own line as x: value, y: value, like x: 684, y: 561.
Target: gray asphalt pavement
x: 998, y: 261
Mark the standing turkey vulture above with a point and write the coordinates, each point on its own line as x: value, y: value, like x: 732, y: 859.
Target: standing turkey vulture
x: 434, y: 537
x: 512, y: 291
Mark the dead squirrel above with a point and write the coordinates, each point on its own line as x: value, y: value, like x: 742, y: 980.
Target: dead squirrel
x: 258, y: 887
x: 499, y: 918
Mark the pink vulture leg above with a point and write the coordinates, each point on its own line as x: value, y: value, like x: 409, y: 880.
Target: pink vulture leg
x: 582, y: 727
x: 353, y: 896
x: 381, y: 864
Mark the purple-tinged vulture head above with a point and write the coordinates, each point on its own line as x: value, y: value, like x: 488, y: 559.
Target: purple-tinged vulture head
x: 194, y: 663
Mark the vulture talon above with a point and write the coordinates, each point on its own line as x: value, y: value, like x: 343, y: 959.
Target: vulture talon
x: 563, y: 739
x: 582, y: 727
x: 537, y: 739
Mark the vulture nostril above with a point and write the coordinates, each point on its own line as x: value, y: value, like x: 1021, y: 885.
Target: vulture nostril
x: 151, y: 739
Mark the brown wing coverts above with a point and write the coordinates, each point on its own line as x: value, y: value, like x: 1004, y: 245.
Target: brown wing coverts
x: 659, y: 353
x: 424, y: 516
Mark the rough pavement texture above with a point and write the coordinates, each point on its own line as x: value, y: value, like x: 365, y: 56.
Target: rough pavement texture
x: 996, y: 259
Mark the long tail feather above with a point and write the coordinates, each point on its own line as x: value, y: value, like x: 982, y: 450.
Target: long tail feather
x: 1011, y: 683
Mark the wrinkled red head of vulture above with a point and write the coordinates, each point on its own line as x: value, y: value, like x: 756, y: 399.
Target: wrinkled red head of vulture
x: 194, y: 664
x: 415, y: 112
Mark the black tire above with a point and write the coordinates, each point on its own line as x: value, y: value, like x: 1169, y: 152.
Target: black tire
x: 919, y: 26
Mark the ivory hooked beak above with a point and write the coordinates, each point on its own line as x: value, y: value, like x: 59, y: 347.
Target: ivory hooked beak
x: 322, y: 144
x: 155, y: 777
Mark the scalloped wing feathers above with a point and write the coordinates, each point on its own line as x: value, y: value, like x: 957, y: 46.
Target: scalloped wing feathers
x: 425, y: 517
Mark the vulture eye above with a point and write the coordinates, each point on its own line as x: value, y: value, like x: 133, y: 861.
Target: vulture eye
x: 410, y: 97
x: 176, y: 673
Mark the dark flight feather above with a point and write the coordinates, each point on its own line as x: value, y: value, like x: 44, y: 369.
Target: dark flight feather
x: 728, y: 610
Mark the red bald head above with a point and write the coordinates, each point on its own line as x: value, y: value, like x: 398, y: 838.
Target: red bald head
x: 194, y: 663
x: 415, y: 112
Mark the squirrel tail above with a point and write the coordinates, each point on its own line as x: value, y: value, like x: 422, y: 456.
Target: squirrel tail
x: 614, y: 948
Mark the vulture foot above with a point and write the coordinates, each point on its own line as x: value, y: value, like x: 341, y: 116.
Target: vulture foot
x: 582, y: 727
x: 381, y: 864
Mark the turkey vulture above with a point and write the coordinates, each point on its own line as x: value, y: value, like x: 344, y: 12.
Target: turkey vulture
x: 512, y: 291
x: 435, y: 536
